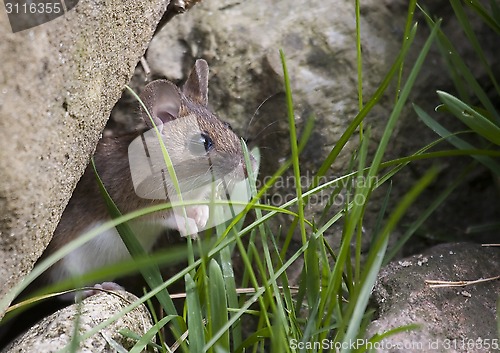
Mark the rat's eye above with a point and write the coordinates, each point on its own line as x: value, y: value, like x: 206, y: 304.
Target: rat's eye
x: 207, y: 142
x: 200, y: 144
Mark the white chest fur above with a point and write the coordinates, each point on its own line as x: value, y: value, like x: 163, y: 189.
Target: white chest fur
x: 105, y: 249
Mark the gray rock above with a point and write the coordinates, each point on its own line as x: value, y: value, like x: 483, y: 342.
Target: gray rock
x: 59, y: 82
x: 56, y: 331
x: 452, y: 319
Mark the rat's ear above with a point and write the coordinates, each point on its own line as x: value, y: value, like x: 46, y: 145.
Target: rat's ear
x: 163, y: 100
x: 196, y: 86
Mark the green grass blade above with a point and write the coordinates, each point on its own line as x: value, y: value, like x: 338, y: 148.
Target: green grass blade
x: 253, y: 340
x: 218, y: 304
x: 280, y: 341
x: 294, y: 147
x: 454, y: 140
x: 471, y: 117
x: 362, y: 156
x: 486, y: 227
x: 313, y: 276
x: 381, y: 215
x: 230, y: 288
x: 146, y: 339
x: 408, y: 26
x: 196, y: 334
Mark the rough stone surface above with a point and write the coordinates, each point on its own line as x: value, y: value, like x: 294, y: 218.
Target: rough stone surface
x: 453, y: 319
x: 240, y: 40
x: 56, y: 331
x: 58, y: 84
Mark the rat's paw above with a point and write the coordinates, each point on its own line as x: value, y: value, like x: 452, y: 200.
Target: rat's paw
x: 98, y: 288
x: 200, y: 215
x: 110, y: 286
x: 185, y: 226
x: 196, y: 220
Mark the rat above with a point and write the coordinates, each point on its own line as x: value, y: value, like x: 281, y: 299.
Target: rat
x: 202, y: 147
x: 205, y: 153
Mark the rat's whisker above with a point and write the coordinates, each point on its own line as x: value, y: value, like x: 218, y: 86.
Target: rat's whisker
x: 256, y: 111
x: 264, y: 129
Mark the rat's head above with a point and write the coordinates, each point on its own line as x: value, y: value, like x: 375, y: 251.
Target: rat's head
x: 202, y: 147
